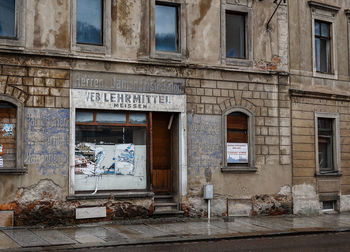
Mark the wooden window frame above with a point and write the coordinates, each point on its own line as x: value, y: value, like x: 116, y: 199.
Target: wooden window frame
x: 250, y: 166
x: 19, y: 169
x: 328, y: 40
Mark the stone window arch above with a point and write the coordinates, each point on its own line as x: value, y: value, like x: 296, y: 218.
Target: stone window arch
x: 238, y: 140
x: 11, y: 135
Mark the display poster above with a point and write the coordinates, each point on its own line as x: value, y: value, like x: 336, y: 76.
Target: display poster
x: 1, y: 150
x: 237, y: 153
x: 125, y: 159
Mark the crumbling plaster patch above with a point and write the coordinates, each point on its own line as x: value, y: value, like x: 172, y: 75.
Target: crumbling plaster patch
x: 305, y: 200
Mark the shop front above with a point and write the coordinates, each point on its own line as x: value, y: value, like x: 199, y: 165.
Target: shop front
x: 127, y: 134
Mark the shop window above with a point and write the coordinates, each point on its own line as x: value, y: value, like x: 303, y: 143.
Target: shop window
x: 327, y: 149
x: 11, y: 129
x: 91, y: 25
x: 235, y: 35
x: 324, y: 41
x: 323, y: 46
x: 236, y: 41
x: 110, y: 150
x: 168, y: 32
x: 11, y: 22
x: 239, y: 140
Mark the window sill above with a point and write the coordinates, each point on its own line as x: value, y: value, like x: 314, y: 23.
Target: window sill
x: 115, y: 195
x: 238, y: 62
x: 167, y: 56
x: 238, y: 169
x: 329, y: 174
x: 13, y: 171
x: 325, y: 75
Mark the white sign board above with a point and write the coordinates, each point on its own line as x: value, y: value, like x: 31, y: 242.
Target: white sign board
x: 237, y: 153
x: 1, y: 162
x: 94, y: 99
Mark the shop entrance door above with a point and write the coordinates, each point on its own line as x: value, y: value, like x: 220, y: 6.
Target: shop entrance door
x: 161, y: 153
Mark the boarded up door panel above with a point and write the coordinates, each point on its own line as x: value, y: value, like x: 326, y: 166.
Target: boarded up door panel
x: 161, y: 153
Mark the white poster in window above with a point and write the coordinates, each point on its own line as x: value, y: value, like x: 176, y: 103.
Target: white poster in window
x: 237, y: 153
x: 1, y: 162
x: 125, y: 159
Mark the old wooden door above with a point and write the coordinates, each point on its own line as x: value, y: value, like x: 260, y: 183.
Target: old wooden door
x: 161, y: 153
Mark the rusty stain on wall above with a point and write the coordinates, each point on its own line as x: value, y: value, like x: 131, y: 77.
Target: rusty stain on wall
x: 123, y: 13
x: 204, y: 6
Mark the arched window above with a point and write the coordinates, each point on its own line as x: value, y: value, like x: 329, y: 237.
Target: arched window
x: 238, y: 140
x: 11, y: 135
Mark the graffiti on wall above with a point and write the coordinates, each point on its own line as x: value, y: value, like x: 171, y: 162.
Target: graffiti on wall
x: 46, y: 140
x: 204, y: 142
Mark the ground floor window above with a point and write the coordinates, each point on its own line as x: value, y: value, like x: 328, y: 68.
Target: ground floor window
x: 110, y: 150
x: 8, y: 134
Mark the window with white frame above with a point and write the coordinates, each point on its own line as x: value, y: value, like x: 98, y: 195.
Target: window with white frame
x: 324, y: 21
x: 327, y: 143
x: 91, y: 26
x: 11, y: 23
x: 236, y: 40
x: 168, y: 32
x: 238, y: 140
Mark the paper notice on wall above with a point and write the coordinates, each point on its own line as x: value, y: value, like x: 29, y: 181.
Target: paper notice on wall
x: 125, y: 158
x: 1, y: 162
x: 1, y: 150
x: 237, y: 153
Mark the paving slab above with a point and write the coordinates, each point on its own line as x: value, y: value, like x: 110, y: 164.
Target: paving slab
x: 147, y: 230
x: 6, y: 242
x: 81, y: 236
x: 53, y: 237
x: 239, y: 227
x: 25, y: 238
x: 104, y: 233
x: 177, y: 229
x: 125, y: 232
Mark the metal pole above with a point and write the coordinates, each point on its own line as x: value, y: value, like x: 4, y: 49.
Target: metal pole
x: 208, y: 209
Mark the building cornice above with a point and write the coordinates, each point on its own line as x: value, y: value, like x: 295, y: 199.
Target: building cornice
x: 318, y: 95
x: 323, y: 6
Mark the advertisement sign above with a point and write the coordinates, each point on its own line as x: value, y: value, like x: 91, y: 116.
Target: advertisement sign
x: 1, y: 150
x: 237, y: 153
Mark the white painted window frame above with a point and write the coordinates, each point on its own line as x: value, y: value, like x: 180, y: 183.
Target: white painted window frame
x: 336, y: 141
x: 19, y: 40
x: 105, y: 48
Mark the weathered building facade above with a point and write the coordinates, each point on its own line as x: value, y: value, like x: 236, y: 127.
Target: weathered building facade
x: 319, y: 79
x: 128, y: 108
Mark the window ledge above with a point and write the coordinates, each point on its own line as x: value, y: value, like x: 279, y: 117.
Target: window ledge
x: 116, y: 195
x: 167, y: 56
x: 238, y: 62
x: 323, y: 6
x: 13, y: 171
x: 329, y: 174
x: 238, y: 169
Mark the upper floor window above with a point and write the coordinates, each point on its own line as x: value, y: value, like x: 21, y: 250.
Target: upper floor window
x: 324, y: 40
x: 12, y: 27
x: 7, y: 18
x: 91, y: 26
x: 235, y: 35
x: 89, y: 22
x: 323, y: 46
x: 166, y: 28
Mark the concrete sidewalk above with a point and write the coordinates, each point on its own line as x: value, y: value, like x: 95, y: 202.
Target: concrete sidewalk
x: 160, y: 230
